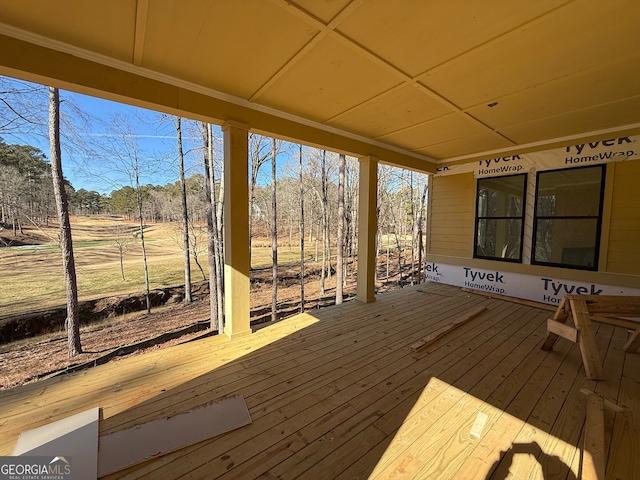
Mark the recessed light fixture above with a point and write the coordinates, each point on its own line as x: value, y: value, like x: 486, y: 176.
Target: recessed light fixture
x: 492, y: 104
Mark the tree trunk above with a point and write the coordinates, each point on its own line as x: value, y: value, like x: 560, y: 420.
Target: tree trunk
x: 419, y: 222
x: 388, y: 253
x: 301, y: 235
x: 413, y: 230
x: 274, y: 237
x: 219, y: 237
x: 185, y: 217
x: 340, y: 258
x: 72, y: 323
x: 215, y: 323
x: 290, y: 233
x: 323, y: 275
x: 144, y: 249
x: 121, y: 262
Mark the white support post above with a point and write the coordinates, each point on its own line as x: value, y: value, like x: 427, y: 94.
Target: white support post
x: 367, y: 227
x: 236, y: 230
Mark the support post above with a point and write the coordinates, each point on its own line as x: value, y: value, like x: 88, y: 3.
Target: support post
x: 367, y: 228
x: 236, y: 229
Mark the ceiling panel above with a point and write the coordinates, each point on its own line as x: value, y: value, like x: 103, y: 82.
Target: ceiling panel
x: 556, y: 67
x: 464, y: 146
x: 571, y: 123
x: 572, y: 39
x: 233, y: 47
x: 435, y: 131
x: 394, y: 110
x: 415, y: 36
x: 107, y: 28
x: 328, y: 80
x: 603, y: 84
x: 325, y: 10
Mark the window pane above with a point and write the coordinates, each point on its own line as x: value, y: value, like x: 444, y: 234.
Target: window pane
x: 574, y: 192
x: 501, y: 197
x: 570, y: 242
x: 499, y: 238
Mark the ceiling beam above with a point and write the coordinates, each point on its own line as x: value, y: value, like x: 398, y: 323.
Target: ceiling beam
x: 142, y: 10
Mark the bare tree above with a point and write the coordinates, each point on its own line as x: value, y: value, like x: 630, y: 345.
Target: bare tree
x: 215, y: 324
x: 136, y: 171
x: 259, y: 154
x: 218, y: 217
x: 124, y: 159
x: 196, y: 245
x: 274, y: 234
x: 185, y: 217
x: 340, y: 259
x: 72, y: 323
x: 301, y: 231
x: 214, y: 230
x: 122, y: 238
x: 325, y: 205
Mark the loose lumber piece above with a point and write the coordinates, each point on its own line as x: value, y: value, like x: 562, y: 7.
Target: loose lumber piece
x: 478, y: 425
x: 137, y: 444
x: 562, y: 330
x: 441, y: 332
x: 75, y: 437
x: 594, y: 462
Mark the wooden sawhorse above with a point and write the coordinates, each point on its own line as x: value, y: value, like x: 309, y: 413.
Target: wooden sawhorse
x: 585, y: 308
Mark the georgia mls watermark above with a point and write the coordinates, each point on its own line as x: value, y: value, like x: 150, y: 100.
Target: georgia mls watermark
x: 35, y: 468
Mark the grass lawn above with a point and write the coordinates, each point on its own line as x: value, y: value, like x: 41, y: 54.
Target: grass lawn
x: 33, y: 278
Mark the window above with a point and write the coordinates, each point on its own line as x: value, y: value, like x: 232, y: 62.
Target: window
x: 568, y: 216
x: 500, y: 218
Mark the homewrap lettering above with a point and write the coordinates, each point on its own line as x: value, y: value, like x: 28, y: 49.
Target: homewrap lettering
x: 598, y: 157
x: 503, y: 169
x: 488, y: 162
x: 607, y: 143
x: 431, y: 267
x: 490, y: 277
x: 560, y: 288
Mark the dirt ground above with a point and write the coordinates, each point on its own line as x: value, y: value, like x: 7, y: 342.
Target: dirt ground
x: 29, y: 360
x: 32, y: 359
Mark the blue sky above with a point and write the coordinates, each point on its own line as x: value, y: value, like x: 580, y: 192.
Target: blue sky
x: 153, y: 141
x: 157, y: 143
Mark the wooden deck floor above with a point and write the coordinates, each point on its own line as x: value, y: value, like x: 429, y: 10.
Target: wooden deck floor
x: 339, y: 395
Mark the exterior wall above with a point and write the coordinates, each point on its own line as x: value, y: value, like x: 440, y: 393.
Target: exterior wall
x: 623, y: 255
x: 450, y: 251
x: 452, y: 215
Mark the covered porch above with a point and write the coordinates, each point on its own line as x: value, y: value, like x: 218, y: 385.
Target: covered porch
x: 340, y: 394
x: 428, y: 86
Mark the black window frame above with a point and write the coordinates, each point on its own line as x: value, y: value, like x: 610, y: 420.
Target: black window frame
x: 522, y: 218
x: 536, y: 218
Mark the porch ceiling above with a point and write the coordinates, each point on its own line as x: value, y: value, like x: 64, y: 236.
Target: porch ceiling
x: 414, y: 78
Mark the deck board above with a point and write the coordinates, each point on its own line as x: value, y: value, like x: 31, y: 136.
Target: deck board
x: 338, y: 393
